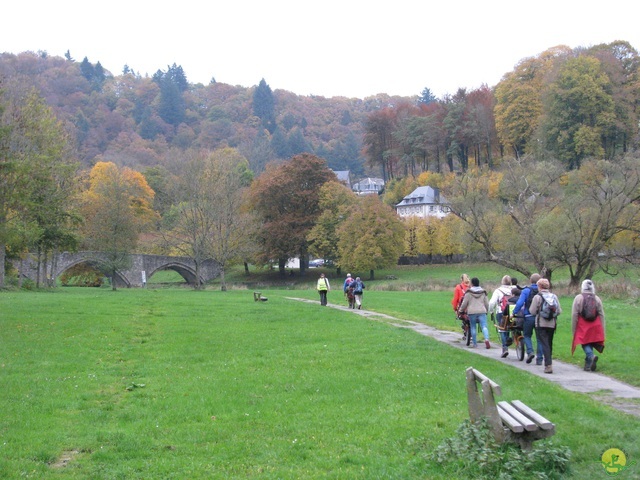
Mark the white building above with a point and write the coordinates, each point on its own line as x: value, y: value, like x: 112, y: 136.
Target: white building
x: 344, y: 176
x: 423, y: 202
x: 368, y: 186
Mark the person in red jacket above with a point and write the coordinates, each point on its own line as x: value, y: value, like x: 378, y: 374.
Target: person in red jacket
x: 459, y: 291
x: 588, y: 327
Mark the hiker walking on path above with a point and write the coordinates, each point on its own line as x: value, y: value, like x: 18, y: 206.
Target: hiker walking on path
x: 546, y: 308
x: 587, y: 324
x: 497, y: 304
x: 348, y: 290
x: 524, y: 303
x: 459, y: 291
x: 358, y: 287
x: 323, y: 287
x: 476, y: 304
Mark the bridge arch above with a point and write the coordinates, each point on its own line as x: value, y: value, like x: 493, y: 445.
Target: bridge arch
x: 119, y: 278
x: 142, y: 267
x: 186, y: 272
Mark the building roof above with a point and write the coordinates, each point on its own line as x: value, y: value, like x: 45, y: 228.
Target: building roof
x: 423, y: 196
x: 344, y: 176
x: 378, y: 182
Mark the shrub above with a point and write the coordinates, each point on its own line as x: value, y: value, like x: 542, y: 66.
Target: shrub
x: 473, y: 452
x: 81, y: 275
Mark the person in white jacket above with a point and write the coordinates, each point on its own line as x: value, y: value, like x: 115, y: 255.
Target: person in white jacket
x: 496, y: 305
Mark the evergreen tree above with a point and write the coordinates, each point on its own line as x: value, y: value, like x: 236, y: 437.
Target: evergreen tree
x: 86, y: 69
x: 264, y: 106
x: 426, y: 97
x: 279, y: 144
x: 297, y: 143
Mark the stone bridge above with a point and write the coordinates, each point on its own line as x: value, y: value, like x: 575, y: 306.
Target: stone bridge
x: 142, y: 267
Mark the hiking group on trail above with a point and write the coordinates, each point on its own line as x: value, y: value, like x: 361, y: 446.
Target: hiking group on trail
x: 353, y: 290
x: 534, y: 308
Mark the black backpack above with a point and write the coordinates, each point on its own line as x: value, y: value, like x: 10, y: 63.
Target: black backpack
x: 533, y: 291
x: 589, y: 307
x: 548, y: 308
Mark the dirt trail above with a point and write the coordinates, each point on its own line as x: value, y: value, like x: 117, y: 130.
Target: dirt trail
x: 615, y: 393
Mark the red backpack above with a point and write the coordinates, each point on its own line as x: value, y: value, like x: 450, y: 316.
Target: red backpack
x: 589, y: 307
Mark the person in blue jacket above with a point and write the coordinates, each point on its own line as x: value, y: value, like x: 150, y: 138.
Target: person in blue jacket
x: 524, y: 301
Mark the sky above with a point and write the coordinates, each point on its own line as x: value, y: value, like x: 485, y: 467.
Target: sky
x: 349, y: 48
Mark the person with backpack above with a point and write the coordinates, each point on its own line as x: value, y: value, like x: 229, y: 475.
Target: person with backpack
x: 545, y: 306
x: 348, y: 290
x: 587, y: 324
x: 476, y: 304
x: 358, y: 287
x: 497, y: 304
x: 523, y: 305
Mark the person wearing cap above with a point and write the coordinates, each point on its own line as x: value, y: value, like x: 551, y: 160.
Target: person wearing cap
x: 545, y: 328
x: 524, y: 302
x: 588, y: 332
x: 323, y: 287
x: 348, y: 290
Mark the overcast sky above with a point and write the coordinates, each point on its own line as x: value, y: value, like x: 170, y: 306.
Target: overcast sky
x: 328, y: 48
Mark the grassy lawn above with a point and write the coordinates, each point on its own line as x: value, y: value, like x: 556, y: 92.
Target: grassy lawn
x: 173, y: 383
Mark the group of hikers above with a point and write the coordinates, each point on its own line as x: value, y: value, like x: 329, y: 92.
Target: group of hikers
x: 530, y: 309
x: 533, y: 308
x: 352, y: 288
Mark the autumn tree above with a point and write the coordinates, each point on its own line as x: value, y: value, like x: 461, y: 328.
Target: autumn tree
x: 621, y: 63
x: 335, y: 203
x: 371, y: 237
x: 379, y: 141
x: 579, y: 111
x: 519, y: 107
x: 503, y: 212
x: 36, y: 185
x: 286, y: 198
x: 117, y: 206
x: 600, y: 204
x: 210, y: 222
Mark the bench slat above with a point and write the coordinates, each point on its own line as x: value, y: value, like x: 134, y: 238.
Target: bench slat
x: 528, y: 424
x: 542, y: 422
x: 482, y: 377
x: 510, y: 422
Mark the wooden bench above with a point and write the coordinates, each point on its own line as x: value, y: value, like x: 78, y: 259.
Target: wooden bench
x: 509, y: 421
x: 257, y: 297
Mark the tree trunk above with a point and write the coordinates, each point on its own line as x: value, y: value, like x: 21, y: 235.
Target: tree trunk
x: 197, y: 285
x: 38, y: 267
x: 246, y: 268
x: 282, y: 263
x: 223, y: 284
x: 20, y: 270
x: 371, y: 274
x: 2, y: 260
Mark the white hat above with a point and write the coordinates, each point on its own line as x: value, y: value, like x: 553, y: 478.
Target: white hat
x: 348, y: 274
x: 588, y: 286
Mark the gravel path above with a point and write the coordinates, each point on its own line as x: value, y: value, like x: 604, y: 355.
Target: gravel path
x: 607, y: 390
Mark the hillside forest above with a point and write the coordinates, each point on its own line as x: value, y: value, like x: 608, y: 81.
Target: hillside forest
x: 76, y: 139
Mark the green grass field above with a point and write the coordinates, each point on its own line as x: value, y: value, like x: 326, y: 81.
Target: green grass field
x: 174, y: 383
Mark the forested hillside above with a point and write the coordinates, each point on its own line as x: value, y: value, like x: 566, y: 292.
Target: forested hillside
x: 141, y: 122
x: 171, y: 167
